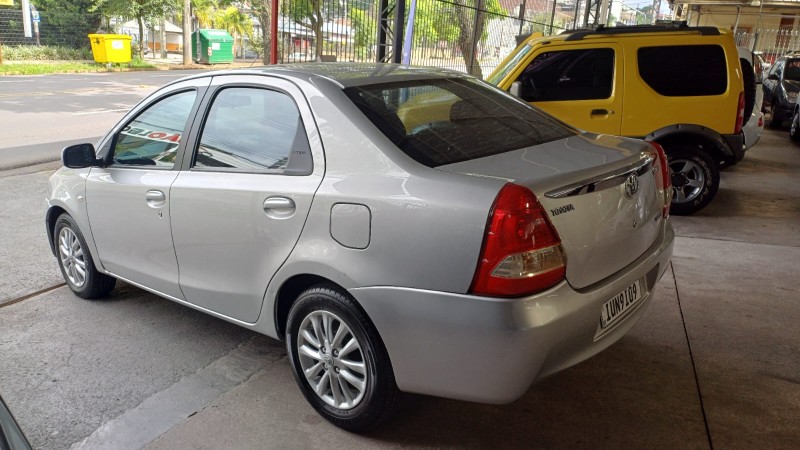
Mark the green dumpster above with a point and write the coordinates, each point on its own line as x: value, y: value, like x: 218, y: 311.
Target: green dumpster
x: 212, y: 46
x: 111, y: 48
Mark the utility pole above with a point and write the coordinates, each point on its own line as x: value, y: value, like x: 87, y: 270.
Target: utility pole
x: 187, y: 32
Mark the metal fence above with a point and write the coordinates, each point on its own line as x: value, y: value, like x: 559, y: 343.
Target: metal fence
x: 770, y: 43
x: 467, y: 35
x: 60, y: 31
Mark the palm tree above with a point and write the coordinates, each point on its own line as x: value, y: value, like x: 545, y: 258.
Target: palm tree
x: 238, y: 25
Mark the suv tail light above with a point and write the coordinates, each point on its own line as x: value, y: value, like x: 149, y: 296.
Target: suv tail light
x: 521, y: 252
x: 740, y: 114
x: 665, y: 180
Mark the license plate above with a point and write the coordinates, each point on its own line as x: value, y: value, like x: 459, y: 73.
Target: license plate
x: 616, y: 307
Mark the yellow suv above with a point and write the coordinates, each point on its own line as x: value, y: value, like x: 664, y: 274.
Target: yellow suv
x: 679, y: 86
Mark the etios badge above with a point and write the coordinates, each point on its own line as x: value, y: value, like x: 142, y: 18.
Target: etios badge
x: 632, y: 185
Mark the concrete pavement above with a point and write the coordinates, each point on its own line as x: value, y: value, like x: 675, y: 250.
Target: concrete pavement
x: 713, y: 363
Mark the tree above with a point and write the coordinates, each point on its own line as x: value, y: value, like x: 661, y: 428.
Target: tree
x: 472, y: 24
x: 262, y: 9
x: 307, y: 13
x: 187, y: 30
x: 141, y: 10
x: 67, y: 22
x: 365, y: 32
x: 237, y: 23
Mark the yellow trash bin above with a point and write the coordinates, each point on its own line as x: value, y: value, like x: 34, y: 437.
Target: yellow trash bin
x: 111, y: 48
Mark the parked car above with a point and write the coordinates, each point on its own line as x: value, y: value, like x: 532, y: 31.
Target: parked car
x: 781, y: 88
x: 752, y: 131
x: 11, y: 436
x: 672, y: 84
x: 752, y: 76
x: 464, y: 257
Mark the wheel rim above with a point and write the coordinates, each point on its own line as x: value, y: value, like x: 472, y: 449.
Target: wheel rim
x: 332, y: 360
x: 688, y: 179
x: 72, y: 257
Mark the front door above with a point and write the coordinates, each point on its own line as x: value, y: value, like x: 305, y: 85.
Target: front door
x: 128, y: 201
x: 582, y: 87
x: 239, y: 209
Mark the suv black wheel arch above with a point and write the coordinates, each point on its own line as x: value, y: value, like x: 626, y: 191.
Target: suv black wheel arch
x: 717, y: 146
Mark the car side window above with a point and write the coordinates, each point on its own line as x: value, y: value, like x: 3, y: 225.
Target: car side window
x: 251, y: 130
x: 776, y: 69
x: 684, y: 70
x: 151, y: 139
x: 586, y: 74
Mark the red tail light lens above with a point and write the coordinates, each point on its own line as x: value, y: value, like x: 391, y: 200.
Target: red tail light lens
x: 521, y: 252
x: 740, y: 114
x: 665, y: 180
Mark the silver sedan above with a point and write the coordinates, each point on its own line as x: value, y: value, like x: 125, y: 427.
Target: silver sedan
x: 402, y: 229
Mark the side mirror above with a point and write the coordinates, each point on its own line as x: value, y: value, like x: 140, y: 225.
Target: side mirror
x: 516, y: 89
x: 773, y: 77
x: 79, y: 156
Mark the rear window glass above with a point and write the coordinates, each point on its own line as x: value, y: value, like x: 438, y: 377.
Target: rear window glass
x: 792, y: 70
x: 684, y: 70
x: 445, y: 121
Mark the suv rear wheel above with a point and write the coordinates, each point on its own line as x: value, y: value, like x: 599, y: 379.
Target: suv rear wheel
x: 695, y: 179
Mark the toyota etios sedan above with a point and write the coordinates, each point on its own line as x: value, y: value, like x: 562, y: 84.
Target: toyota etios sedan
x: 402, y: 229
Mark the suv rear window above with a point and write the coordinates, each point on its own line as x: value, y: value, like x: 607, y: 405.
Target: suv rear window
x: 445, y: 121
x: 684, y: 70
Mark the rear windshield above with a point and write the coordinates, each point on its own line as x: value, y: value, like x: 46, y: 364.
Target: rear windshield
x: 445, y: 121
x: 792, y: 70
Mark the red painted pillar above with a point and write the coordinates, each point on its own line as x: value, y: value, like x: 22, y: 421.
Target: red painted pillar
x: 273, y: 52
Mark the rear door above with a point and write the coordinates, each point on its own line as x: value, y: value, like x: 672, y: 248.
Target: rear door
x: 580, y: 86
x: 239, y: 207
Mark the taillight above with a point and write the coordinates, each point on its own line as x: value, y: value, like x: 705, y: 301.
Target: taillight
x: 740, y: 114
x: 521, y: 252
x: 665, y: 180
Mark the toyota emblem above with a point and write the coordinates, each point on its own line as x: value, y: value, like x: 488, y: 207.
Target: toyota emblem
x: 631, y: 185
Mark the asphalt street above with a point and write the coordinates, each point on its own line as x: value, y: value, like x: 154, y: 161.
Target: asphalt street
x: 40, y: 115
x: 712, y: 364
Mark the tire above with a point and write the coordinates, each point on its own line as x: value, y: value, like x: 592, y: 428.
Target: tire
x: 775, y: 121
x: 695, y: 179
x: 355, y: 401
x: 794, y: 130
x: 749, y: 76
x: 73, y: 257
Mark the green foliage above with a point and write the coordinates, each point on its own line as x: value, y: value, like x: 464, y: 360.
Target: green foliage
x: 308, y: 13
x: 135, y: 9
x: 365, y: 31
x: 66, y: 22
x: 45, y: 53
x: 437, y: 21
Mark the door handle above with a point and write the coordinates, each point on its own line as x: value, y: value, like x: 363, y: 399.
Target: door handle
x: 279, y: 207
x: 600, y: 112
x: 155, y: 199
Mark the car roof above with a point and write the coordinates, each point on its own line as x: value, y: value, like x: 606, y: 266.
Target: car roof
x: 628, y: 31
x: 344, y: 74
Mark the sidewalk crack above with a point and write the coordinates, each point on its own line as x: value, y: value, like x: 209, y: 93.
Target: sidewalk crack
x: 691, y: 357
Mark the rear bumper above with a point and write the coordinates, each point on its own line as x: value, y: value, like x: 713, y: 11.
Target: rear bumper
x: 490, y: 350
x: 736, y: 144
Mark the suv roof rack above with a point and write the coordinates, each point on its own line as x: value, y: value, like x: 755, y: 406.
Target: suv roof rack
x: 578, y: 34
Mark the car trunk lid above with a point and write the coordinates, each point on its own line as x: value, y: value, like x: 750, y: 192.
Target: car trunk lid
x: 600, y: 193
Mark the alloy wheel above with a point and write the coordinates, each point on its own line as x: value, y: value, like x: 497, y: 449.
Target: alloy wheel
x: 688, y: 180
x: 332, y: 360
x: 73, y: 259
